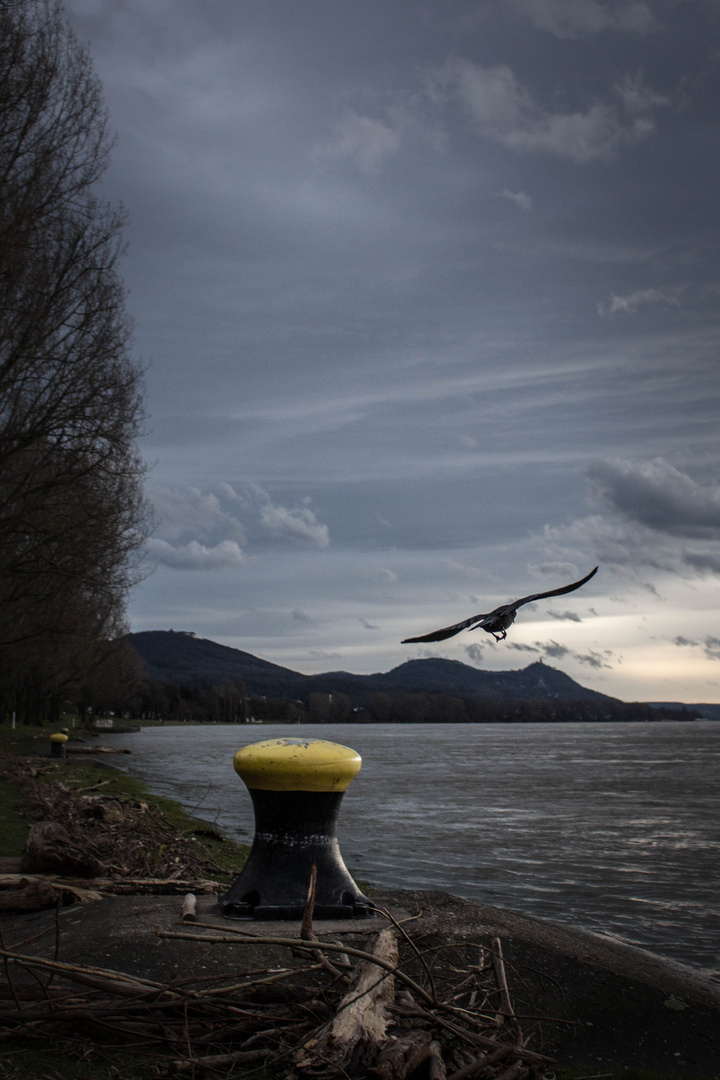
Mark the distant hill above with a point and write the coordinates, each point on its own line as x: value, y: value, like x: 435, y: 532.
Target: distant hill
x: 182, y: 658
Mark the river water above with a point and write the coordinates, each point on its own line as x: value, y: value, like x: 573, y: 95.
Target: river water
x: 610, y: 827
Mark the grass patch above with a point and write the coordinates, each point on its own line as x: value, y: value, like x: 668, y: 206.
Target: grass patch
x: 14, y: 826
x: 228, y: 855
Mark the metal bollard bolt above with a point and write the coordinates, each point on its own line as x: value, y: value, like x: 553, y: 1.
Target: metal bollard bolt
x: 57, y: 744
x: 296, y: 787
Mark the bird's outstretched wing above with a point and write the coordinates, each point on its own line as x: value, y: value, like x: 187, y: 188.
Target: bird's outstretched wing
x: 450, y: 631
x: 554, y: 592
x: 447, y: 631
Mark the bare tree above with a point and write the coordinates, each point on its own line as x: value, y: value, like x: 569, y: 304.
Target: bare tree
x: 72, y: 514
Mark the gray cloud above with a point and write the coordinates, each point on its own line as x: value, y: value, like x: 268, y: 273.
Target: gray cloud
x: 630, y: 304
x: 195, y: 556
x: 704, y: 561
x: 580, y: 18
x: 659, y: 496
x: 503, y: 110
x: 710, y: 646
x: 474, y: 653
x: 364, y: 141
x: 565, y: 616
x: 183, y: 511
x: 555, y: 650
x: 591, y: 658
x: 299, y: 523
x: 520, y: 198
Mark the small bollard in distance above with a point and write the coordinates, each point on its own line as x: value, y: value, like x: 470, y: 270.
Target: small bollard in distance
x: 57, y: 744
x: 296, y: 787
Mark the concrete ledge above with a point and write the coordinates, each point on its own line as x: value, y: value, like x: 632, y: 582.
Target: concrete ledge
x: 611, y: 1005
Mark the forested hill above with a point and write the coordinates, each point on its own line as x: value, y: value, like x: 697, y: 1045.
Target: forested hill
x: 181, y: 659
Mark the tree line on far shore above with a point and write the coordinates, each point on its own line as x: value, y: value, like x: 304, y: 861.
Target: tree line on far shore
x: 123, y: 690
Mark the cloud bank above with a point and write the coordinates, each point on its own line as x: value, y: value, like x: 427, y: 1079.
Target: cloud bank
x: 501, y: 109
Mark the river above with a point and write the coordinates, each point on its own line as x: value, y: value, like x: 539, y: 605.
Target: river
x: 610, y: 827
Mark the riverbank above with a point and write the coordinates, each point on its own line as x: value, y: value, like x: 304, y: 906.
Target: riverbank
x: 104, y: 810
x: 597, y: 1007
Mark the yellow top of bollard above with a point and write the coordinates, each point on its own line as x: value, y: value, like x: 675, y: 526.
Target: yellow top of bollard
x: 297, y: 765
x: 57, y: 736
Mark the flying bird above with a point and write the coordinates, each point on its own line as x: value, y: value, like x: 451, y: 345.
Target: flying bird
x: 497, y: 622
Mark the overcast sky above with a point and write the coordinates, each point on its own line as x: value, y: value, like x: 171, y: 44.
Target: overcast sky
x: 429, y: 294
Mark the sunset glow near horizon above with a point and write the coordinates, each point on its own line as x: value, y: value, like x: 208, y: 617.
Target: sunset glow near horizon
x: 429, y: 296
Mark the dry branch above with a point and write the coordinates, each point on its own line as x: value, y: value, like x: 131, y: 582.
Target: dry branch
x: 299, y: 1022
x: 358, y: 1030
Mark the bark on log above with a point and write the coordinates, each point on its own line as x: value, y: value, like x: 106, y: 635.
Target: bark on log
x: 30, y: 896
x: 401, y: 1057
x: 360, y: 1024
x: 436, y: 1065
x: 114, y: 886
x: 189, y: 908
x: 94, y: 750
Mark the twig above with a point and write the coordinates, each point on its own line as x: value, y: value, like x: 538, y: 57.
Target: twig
x: 501, y: 979
x: 187, y: 1040
x: 8, y: 973
x: 216, y: 1061
x: 111, y: 978
x: 295, y: 943
x: 306, y: 930
x: 386, y: 914
x: 475, y: 1066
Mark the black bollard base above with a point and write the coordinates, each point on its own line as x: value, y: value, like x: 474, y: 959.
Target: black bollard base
x: 294, y: 831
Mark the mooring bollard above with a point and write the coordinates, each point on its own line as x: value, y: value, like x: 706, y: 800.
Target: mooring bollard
x: 57, y: 744
x: 296, y: 787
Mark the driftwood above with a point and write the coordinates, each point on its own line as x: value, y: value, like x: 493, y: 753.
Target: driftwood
x: 400, y: 1058
x: 128, y: 838
x: 94, y: 750
x: 43, y: 892
x: 189, y: 908
x: 49, y: 849
x: 96, y: 888
x: 299, y: 1022
x: 29, y: 896
x: 359, y: 1027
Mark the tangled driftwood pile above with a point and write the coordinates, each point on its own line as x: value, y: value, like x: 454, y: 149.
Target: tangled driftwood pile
x: 401, y: 1011
x: 94, y: 832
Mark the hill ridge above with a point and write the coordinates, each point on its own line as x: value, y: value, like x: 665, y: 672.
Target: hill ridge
x: 182, y: 658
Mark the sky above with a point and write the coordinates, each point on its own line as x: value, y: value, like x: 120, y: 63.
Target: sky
x: 428, y: 295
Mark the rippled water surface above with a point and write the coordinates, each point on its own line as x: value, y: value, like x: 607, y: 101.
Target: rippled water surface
x: 612, y: 827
